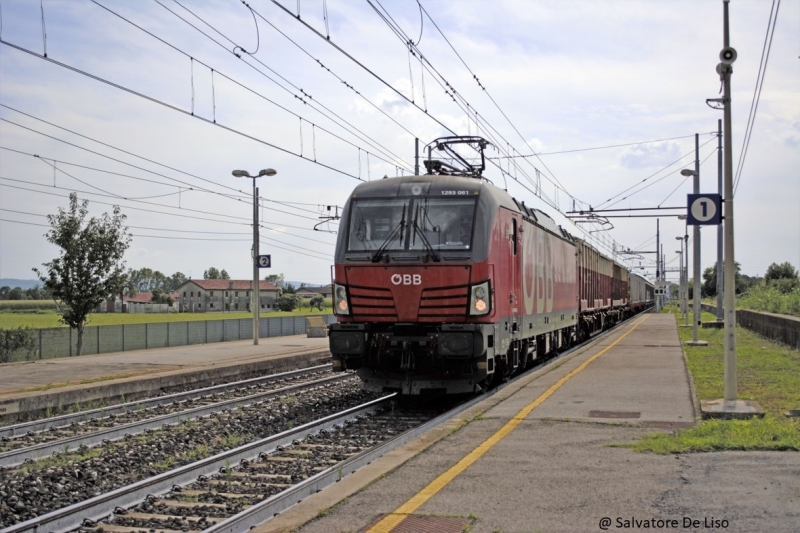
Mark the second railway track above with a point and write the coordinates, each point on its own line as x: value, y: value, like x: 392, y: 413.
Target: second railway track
x: 40, y: 438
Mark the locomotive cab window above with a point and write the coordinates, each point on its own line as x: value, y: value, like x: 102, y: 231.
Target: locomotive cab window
x: 376, y: 224
x: 445, y: 223
x: 411, y: 224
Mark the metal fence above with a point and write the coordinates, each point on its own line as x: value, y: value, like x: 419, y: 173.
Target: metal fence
x: 60, y: 342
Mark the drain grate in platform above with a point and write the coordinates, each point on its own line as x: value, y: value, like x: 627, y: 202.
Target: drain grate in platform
x: 429, y: 524
x: 614, y: 414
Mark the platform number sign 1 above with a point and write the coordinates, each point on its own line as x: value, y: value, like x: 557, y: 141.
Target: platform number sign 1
x: 264, y: 261
x: 704, y: 209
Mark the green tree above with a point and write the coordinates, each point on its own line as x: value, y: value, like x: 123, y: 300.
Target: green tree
x: 89, y: 268
x: 289, y: 289
x: 782, y: 271
x: 318, y: 302
x: 16, y: 294
x: 160, y: 297
x: 709, y: 287
x: 146, y: 280
x: 213, y: 273
x: 176, y: 280
x: 276, y: 279
x: 4, y: 290
x: 36, y: 293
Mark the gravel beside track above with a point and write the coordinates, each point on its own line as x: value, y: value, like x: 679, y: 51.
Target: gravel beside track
x: 13, y: 436
x: 37, y: 488
x: 213, y: 499
x: 96, y: 431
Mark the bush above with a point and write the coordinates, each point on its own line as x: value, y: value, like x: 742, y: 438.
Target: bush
x: 17, y: 345
x: 784, y: 285
x: 287, y: 302
x: 771, y: 300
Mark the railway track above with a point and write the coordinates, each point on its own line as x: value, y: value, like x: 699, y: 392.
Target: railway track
x: 307, y: 442
x: 239, y: 488
x: 23, y: 442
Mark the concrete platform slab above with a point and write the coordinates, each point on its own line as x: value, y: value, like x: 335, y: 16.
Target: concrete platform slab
x: 560, y: 470
x: 731, y: 409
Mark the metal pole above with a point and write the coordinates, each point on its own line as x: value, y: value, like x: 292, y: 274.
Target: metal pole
x: 681, y: 282
x: 658, y: 264
x: 254, y: 295
x: 696, y: 251
x: 686, y: 278
x: 730, y: 273
x: 720, y: 291
x: 416, y: 157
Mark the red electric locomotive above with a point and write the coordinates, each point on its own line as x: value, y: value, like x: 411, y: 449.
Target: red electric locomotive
x: 444, y: 283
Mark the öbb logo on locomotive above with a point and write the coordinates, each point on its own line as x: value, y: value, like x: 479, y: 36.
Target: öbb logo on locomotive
x: 406, y: 279
x: 442, y: 293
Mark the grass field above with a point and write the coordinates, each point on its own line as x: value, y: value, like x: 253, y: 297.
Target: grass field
x: 51, y: 319
x: 767, y: 372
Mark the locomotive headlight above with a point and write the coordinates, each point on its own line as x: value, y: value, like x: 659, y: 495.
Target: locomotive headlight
x: 340, y: 305
x: 479, y: 302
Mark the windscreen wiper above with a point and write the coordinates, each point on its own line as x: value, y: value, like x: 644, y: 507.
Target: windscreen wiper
x: 418, y: 231
x: 398, y: 230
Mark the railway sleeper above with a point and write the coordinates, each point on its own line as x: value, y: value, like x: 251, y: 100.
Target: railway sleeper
x: 135, y: 515
x: 245, y: 484
x: 186, y: 505
x: 113, y: 528
x: 195, y: 493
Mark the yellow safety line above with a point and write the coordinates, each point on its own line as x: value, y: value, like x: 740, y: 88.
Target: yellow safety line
x: 392, y: 520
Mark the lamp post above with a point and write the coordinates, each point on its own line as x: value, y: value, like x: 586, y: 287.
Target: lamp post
x: 254, y: 298
x: 683, y: 283
x: 680, y: 280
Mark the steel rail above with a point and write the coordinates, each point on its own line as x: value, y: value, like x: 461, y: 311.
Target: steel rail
x: 261, y: 512
x: 20, y: 455
x: 268, y: 508
x: 17, y: 430
x: 99, y: 507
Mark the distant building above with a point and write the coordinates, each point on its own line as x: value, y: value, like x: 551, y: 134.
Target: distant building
x: 305, y: 292
x: 326, y: 291
x: 141, y: 302
x: 223, y: 295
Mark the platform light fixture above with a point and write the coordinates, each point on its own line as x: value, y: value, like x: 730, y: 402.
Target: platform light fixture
x: 254, y: 298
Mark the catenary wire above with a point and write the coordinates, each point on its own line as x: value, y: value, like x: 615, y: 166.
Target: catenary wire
x: 606, y: 203
x: 762, y: 71
x: 307, y: 99
x: 178, y: 109
x: 191, y: 186
x: 216, y: 221
x: 232, y: 80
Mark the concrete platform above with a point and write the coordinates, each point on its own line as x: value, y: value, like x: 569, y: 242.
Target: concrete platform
x: 56, y: 384
x: 556, y: 469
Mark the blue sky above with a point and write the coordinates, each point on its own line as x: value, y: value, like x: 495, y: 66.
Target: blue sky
x: 568, y: 75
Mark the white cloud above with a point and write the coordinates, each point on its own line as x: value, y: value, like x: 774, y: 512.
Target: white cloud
x: 651, y: 155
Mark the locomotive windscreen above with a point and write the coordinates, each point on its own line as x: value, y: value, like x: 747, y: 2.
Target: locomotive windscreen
x: 411, y: 223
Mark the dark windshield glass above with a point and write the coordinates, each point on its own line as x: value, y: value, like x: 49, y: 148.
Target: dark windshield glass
x: 411, y: 224
x: 446, y: 223
x: 376, y: 223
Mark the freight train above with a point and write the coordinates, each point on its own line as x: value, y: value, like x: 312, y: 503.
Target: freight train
x: 445, y: 284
